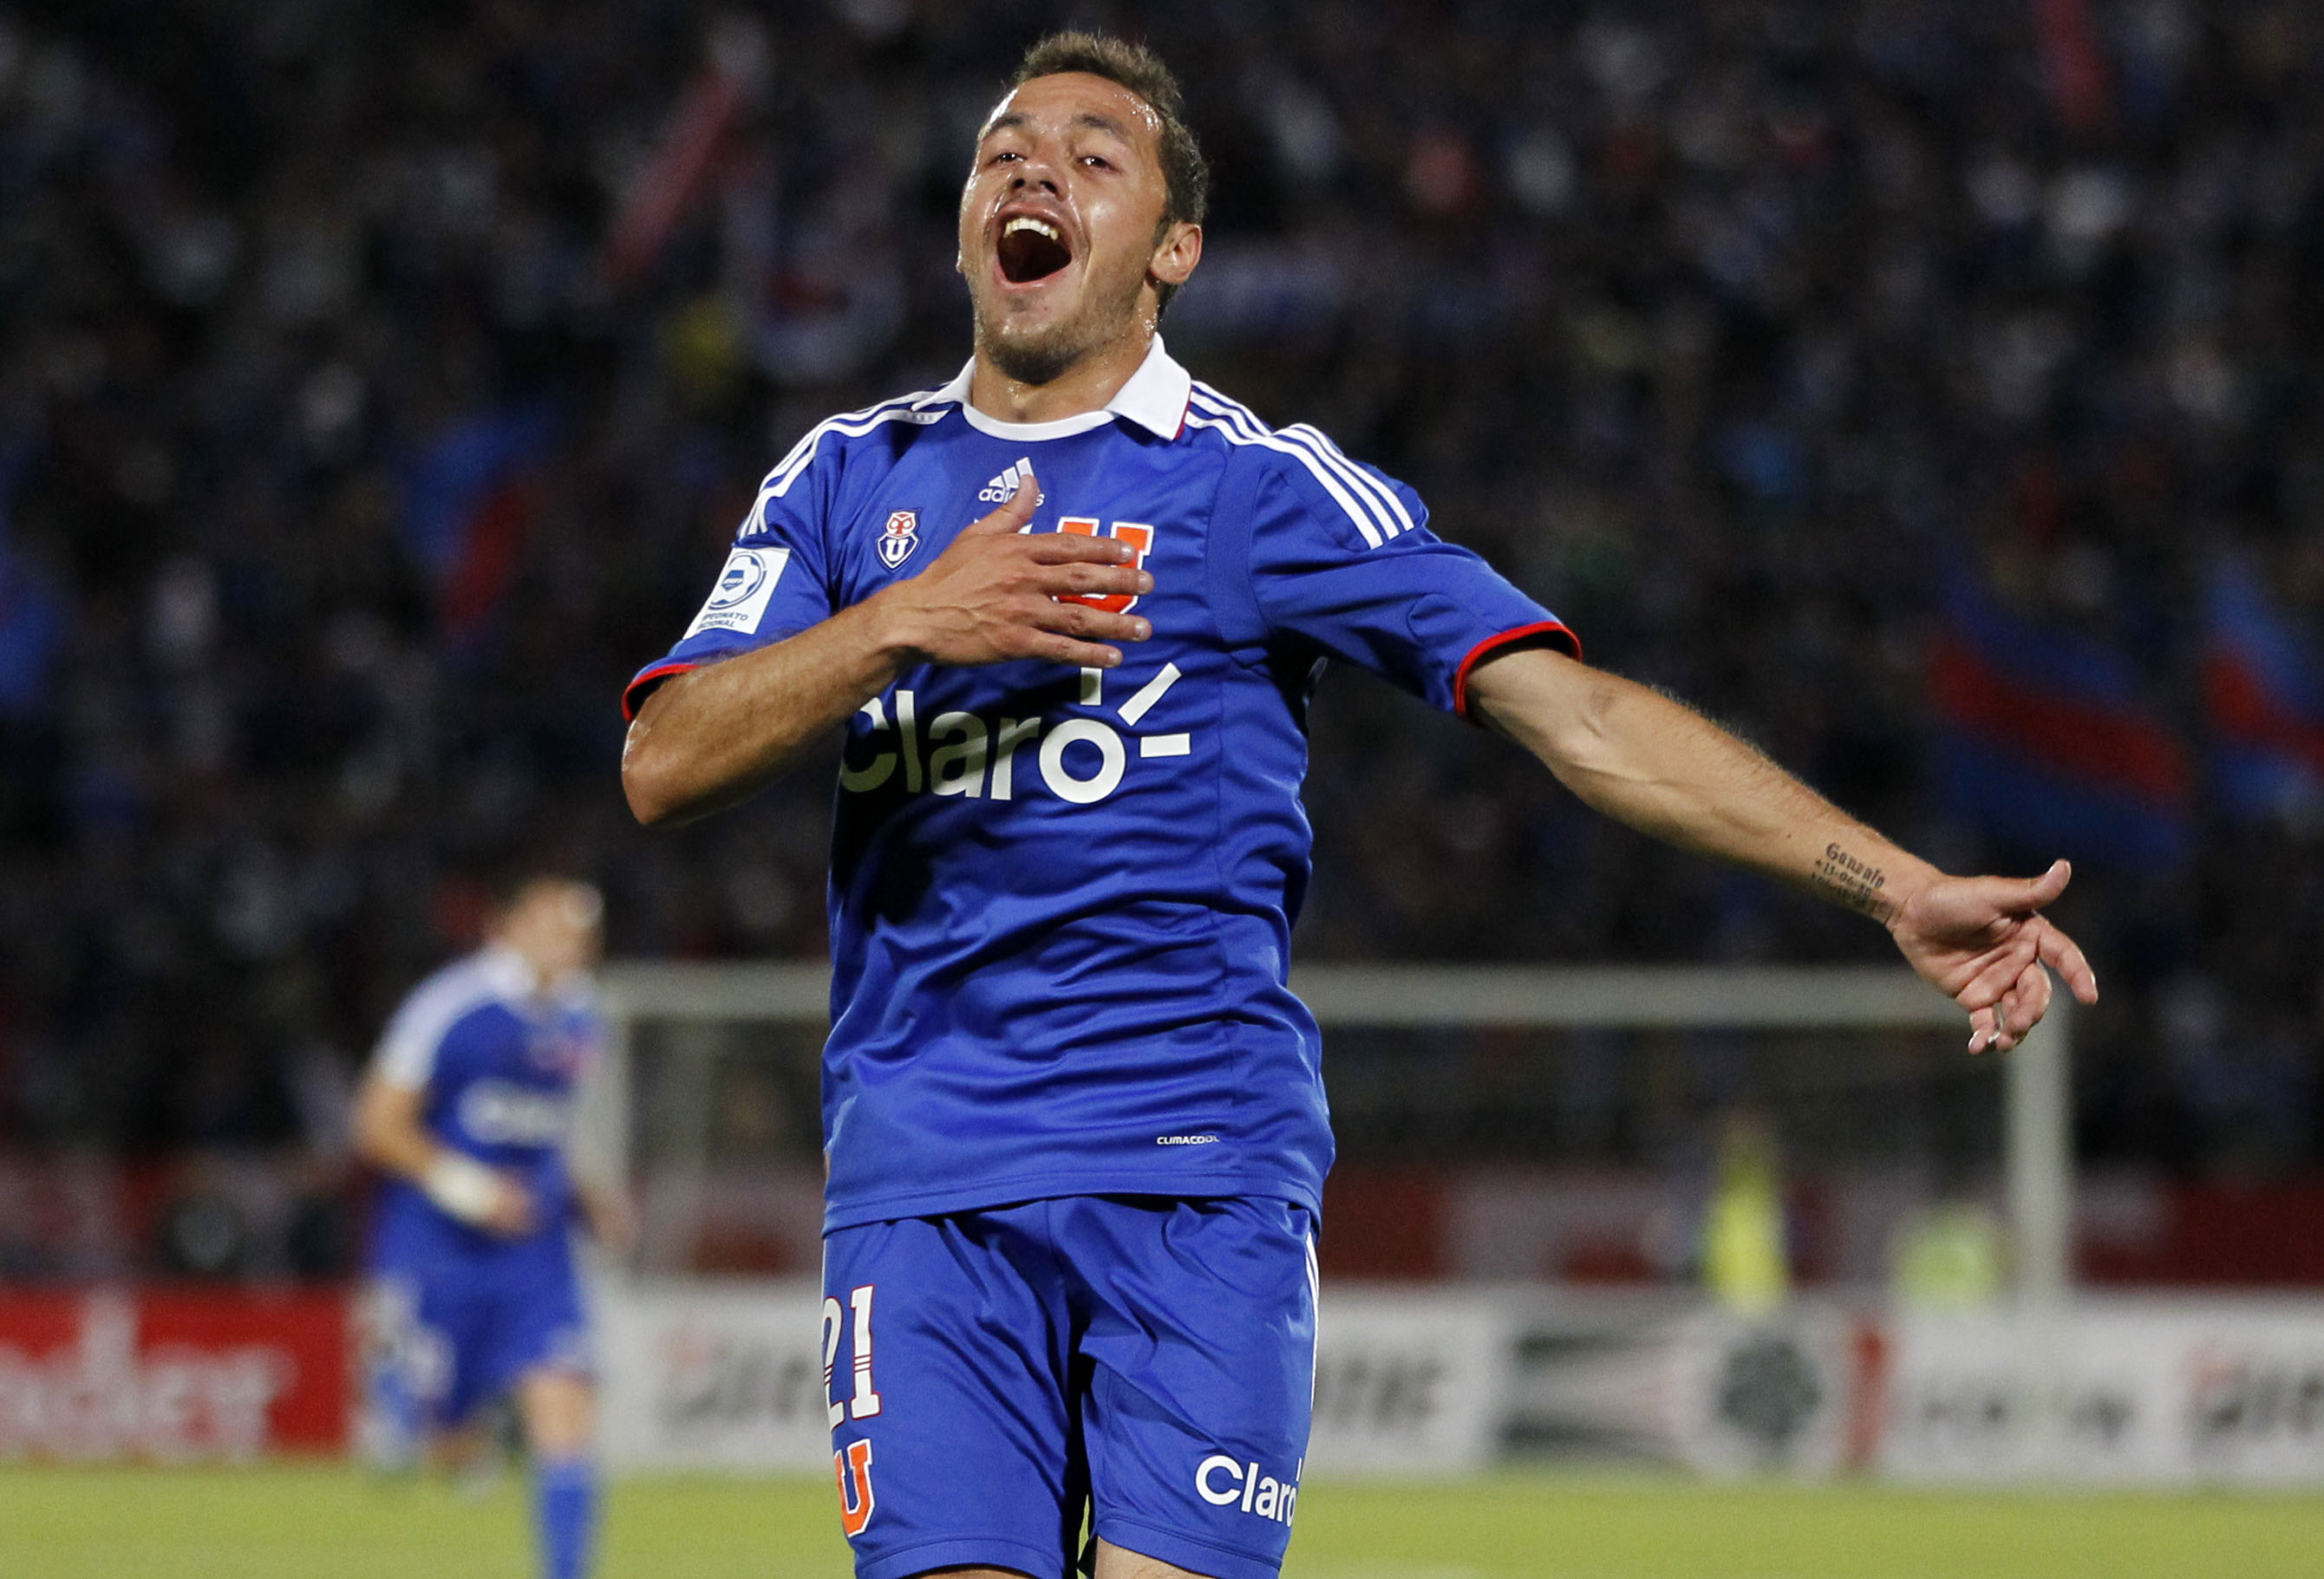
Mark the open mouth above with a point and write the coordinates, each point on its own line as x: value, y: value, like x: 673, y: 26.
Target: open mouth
x: 1031, y: 249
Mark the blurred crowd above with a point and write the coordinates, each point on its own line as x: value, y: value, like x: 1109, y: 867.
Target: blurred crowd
x: 379, y: 383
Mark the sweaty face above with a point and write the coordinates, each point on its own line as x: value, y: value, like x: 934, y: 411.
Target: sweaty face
x: 1058, y: 222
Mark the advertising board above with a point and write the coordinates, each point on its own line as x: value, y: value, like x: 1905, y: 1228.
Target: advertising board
x: 172, y: 1376
x: 713, y: 1376
x: 2134, y: 1393
x: 1408, y: 1383
x: 2130, y: 1392
x: 728, y: 1376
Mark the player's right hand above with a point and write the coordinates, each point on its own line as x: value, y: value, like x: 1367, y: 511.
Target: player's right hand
x: 993, y: 596
x: 489, y: 1198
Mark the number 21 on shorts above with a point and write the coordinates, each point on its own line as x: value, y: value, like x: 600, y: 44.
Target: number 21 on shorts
x: 851, y: 1465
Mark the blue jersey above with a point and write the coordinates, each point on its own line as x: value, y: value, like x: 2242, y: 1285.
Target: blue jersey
x: 1061, y: 900
x: 498, y: 1059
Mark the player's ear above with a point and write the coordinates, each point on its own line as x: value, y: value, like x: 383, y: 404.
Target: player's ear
x: 1176, y: 255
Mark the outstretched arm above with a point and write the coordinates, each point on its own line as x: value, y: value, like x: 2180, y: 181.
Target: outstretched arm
x: 717, y: 735
x: 1649, y: 761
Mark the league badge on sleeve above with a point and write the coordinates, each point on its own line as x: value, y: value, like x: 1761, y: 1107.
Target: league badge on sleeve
x: 900, y: 536
x: 739, y: 602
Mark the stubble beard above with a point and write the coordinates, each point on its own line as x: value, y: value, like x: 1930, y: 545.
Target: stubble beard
x: 1043, y: 355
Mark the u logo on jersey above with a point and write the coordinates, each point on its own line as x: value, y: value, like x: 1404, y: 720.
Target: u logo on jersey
x: 1139, y: 538
x: 900, y: 536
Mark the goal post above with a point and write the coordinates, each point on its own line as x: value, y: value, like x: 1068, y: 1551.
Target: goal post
x: 693, y: 1001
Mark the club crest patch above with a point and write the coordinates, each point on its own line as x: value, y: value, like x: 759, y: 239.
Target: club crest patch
x: 900, y: 536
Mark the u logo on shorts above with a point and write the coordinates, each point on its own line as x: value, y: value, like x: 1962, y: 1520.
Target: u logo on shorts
x: 851, y: 1466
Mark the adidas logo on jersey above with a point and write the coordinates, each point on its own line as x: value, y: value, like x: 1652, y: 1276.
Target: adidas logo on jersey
x: 1003, y: 488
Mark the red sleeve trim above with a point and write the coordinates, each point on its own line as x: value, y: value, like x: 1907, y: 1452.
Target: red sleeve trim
x: 635, y: 695
x: 1553, y: 632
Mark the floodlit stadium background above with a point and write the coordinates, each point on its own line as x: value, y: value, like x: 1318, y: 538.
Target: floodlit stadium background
x: 1928, y: 390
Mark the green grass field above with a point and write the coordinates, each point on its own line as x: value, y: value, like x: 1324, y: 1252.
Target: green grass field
x: 325, y: 1523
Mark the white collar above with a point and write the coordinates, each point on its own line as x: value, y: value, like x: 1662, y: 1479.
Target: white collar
x: 1154, y: 397
x: 509, y: 973
x: 512, y: 975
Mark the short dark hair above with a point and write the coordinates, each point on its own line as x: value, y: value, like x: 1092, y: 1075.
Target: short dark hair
x: 1185, y: 175
x: 508, y: 880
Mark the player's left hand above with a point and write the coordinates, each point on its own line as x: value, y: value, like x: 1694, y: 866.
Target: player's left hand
x: 1983, y: 941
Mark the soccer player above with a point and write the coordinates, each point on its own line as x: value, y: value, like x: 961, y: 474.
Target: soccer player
x: 466, y: 1108
x: 1067, y: 611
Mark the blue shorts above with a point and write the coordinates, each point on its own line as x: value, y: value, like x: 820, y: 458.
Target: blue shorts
x: 474, y: 1329
x: 993, y: 1373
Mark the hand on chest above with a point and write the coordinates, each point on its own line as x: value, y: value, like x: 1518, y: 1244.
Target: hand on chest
x: 917, y: 510
x: 1032, y: 731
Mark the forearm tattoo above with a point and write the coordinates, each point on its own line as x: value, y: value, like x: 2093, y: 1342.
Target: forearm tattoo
x: 1853, y: 882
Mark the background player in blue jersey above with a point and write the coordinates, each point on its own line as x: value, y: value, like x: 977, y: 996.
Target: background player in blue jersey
x: 468, y: 1108
x: 1074, y: 1118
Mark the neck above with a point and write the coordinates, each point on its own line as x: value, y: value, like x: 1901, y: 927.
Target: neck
x: 1084, y: 386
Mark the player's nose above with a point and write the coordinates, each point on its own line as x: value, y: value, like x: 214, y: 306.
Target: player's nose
x: 1038, y: 171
